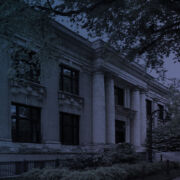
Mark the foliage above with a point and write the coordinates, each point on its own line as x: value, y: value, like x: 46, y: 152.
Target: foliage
x: 139, y: 28
x: 29, y: 34
x: 46, y: 174
x: 167, y: 138
x: 174, y: 101
x: 118, y: 171
x: 121, y: 153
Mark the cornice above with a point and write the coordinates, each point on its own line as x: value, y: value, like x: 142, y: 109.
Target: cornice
x: 132, y: 68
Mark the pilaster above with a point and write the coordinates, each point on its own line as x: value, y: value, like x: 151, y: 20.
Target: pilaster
x: 5, y: 102
x: 154, y: 108
x: 110, y: 110
x: 98, y: 109
x: 136, y: 133
x: 85, y: 83
x: 127, y: 97
x: 143, y: 117
x: 50, y: 109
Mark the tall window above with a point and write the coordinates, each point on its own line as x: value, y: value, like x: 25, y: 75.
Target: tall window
x: 148, y: 108
x: 25, y: 124
x: 119, y: 96
x: 161, y: 112
x: 26, y: 65
x: 69, y: 125
x: 120, y: 131
x: 69, y: 80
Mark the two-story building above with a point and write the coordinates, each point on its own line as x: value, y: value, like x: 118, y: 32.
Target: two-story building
x: 86, y: 95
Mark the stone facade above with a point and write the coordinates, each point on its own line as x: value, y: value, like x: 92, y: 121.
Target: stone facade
x: 100, y: 70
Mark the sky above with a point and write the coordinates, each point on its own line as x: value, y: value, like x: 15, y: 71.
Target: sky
x: 173, y: 69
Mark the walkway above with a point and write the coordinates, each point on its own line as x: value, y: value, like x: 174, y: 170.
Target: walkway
x: 178, y: 178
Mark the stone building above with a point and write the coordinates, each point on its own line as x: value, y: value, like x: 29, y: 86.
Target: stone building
x: 88, y: 96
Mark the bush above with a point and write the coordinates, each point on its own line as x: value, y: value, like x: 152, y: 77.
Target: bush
x: 120, y: 153
x: 167, y: 138
x: 45, y: 174
x: 115, y: 172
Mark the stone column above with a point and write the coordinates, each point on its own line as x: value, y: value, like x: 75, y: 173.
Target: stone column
x: 50, y: 109
x: 154, y: 108
x: 143, y: 117
x: 98, y: 97
x: 136, y: 136
x: 85, y: 91
x: 110, y: 111
x: 5, y: 119
x: 127, y: 97
x: 128, y: 140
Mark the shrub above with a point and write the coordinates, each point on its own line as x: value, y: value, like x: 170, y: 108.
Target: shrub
x: 167, y: 138
x: 45, y: 174
x: 115, y: 172
x: 120, y: 153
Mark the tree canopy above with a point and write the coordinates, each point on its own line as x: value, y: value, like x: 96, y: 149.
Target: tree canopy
x: 148, y: 29
x: 138, y: 29
x: 166, y: 137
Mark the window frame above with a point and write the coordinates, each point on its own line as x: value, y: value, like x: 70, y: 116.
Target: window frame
x: 148, y: 107
x: 75, y: 125
x: 74, y: 81
x: 119, y: 96
x: 36, y: 122
x: 120, y: 122
x: 161, y: 112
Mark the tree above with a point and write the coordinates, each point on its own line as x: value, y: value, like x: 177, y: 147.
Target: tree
x: 147, y: 29
x: 138, y: 29
x: 167, y: 137
x: 174, y: 101
x: 18, y: 19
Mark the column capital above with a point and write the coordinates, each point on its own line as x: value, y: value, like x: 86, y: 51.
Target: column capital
x: 136, y: 89
x: 109, y: 75
x: 98, y: 71
x: 143, y: 91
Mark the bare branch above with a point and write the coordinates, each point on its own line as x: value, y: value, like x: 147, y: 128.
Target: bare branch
x: 74, y: 12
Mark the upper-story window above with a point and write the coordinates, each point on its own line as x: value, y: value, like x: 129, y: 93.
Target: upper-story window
x: 119, y: 96
x: 69, y: 80
x: 26, y: 65
x: 161, y: 111
x: 148, y: 108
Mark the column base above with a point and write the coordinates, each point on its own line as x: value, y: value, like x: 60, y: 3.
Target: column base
x: 5, y: 140
x: 140, y: 148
